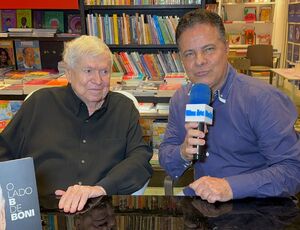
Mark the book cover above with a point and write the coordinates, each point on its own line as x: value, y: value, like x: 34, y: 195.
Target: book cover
x: 7, y: 110
x: 264, y: 39
x: 291, y: 34
x: 250, y: 13
x: 74, y: 24
x: 8, y: 19
x: 265, y: 13
x: 24, y: 19
x: 28, y: 54
x: 234, y: 38
x: 18, y: 195
x: 290, y: 52
x: 7, y: 56
x: 38, y: 19
x: 54, y: 20
x: 296, y: 53
x: 159, y: 129
x: 297, y: 33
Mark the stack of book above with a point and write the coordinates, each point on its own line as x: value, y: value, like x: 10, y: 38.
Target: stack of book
x: 20, y: 32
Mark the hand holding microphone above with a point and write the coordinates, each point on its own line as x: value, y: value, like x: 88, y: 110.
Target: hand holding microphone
x: 198, y: 113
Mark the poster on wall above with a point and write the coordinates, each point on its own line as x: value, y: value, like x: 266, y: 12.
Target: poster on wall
x: 39, y: 4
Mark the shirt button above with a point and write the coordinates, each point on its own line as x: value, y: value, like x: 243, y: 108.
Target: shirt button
x: 86, y: 121
x: 82, y: 161
x: 83, y: 141
x: 79, y: 182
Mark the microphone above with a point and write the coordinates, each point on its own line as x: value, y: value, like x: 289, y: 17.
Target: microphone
x: 198, y: 110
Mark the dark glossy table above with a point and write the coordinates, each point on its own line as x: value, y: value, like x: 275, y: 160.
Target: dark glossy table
x: 165, y: 212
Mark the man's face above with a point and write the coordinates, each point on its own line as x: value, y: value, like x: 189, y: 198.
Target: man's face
x: 90, y: 78
x: 29, y: 57
x: 204, y: 55
x: 3, y: 57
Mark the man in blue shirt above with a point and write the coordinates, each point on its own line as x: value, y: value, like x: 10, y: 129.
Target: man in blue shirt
x: 252, y: 147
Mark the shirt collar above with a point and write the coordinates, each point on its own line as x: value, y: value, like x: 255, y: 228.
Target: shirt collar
x: 77, y: 105
x: 223, y: 93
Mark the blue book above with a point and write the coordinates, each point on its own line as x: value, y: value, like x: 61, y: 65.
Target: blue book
x: 157, y: 27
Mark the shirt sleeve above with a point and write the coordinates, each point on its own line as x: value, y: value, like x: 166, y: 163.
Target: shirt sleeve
x: 120, y: 180
x: 169, y: 151
x: 272, y: 116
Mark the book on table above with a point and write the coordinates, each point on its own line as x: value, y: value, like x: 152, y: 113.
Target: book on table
x: 19, y: 204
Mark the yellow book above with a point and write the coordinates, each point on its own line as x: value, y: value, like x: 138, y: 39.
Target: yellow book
x: 115, y: 27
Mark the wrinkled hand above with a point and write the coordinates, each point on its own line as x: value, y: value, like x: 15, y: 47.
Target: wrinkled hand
x: 76, y: 197
x: 212, y: 189
x: 193, y: 138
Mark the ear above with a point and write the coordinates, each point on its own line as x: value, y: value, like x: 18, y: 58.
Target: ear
x: 227, y: 47
x: 68, y: 74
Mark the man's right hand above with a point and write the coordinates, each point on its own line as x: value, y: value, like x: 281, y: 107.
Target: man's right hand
x: 193, y: 138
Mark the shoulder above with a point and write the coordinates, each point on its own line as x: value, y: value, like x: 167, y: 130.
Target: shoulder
x: 45, y: 94
x: 122, y: 98
x: 255, y: 88
x: 181, y: 95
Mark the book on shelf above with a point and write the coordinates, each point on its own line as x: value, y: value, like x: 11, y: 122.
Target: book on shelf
x: 158, y: 130
x: 265, y: 13
x: 8, y: 109
x: 18, y: 194
x: 38, y: 19
x: 36, y: 84
x: 146, y: 107
x: 74, y: 24
x: 297, y: 33
x: 8, y: 19
x: 264, y: 39
x: 28, y: 54
x: 21, y: 76
x: 291, y: 33
x: 20, y: 32
x: 7, y: 54
x: 42, y: 32
x: 3, y: 34
x: 54, y: 20
x: 11, y: 89
x: 234, y: 38
x: 24, y: 19
x: 250, y: 13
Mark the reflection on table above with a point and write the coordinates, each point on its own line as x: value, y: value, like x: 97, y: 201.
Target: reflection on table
x: 166, y: 212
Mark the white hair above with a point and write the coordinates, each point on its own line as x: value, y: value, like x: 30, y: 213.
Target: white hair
x: 84, y: 46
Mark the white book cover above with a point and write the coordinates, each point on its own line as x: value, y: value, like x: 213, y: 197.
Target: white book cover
x: 19, y: 204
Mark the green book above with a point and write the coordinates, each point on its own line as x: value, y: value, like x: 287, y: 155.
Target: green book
x: 54, y: 20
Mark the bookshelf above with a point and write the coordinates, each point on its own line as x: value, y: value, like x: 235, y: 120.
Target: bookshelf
x: 248, y: 22
x: 293, y: 35
x: 144, y: 32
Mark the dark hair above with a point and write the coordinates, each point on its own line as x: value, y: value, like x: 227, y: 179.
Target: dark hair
x: 200, y: 16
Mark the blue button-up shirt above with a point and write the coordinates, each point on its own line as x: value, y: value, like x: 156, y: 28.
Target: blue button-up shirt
x: 252, y: 142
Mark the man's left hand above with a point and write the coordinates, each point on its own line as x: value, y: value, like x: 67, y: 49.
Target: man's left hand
x: 76, y: 197
x: 212, y: 189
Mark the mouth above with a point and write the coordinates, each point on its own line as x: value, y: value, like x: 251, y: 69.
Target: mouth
x: 201, y: 73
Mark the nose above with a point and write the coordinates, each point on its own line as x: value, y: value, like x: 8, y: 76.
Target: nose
x: 200, y: 58
x: 97, y: 77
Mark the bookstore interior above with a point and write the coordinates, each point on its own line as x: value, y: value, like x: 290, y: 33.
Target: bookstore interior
x: 146, y: 62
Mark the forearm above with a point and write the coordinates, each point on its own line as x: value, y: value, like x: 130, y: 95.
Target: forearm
x: 280, y: 180
x: 171, y: 160
x: 129, y: 175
